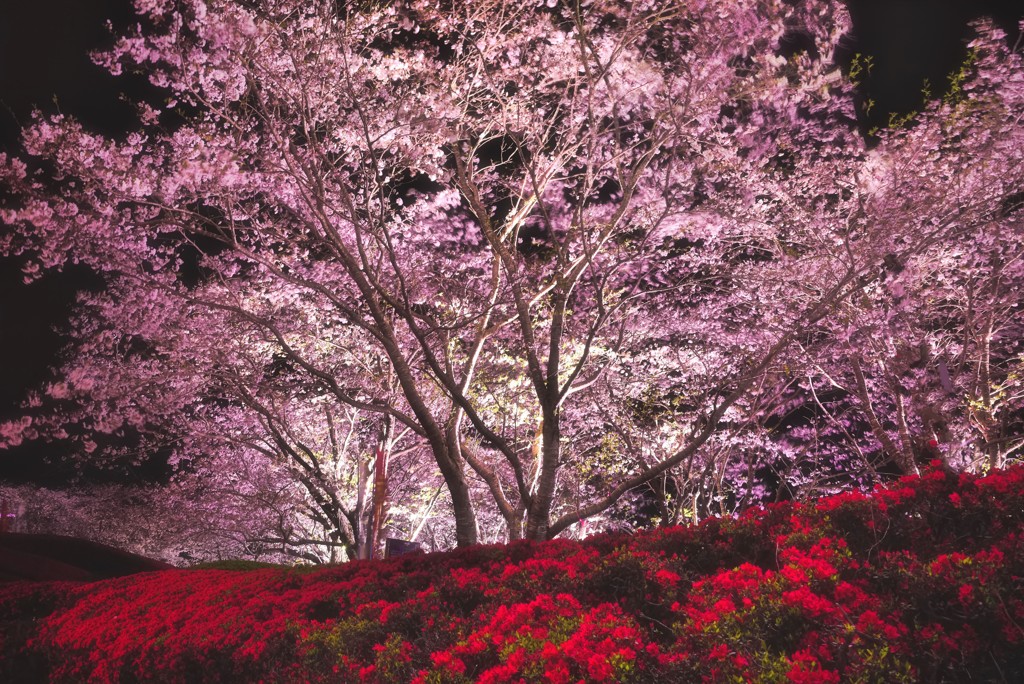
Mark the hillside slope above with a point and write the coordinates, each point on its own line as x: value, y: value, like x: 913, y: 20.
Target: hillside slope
x: 47, y: 557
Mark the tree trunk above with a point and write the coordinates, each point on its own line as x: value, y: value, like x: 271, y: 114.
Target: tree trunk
x: 450, y: 462
x: 466, y: 531
x: 515, y: 523
x: 539, y: 514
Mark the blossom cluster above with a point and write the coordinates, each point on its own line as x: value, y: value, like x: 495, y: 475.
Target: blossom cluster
x: 916, y: 582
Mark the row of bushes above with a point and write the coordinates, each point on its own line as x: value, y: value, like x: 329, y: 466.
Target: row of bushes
x: 916, y: 582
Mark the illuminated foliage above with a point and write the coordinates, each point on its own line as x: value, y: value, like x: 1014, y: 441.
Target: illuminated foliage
x: 513, y: 235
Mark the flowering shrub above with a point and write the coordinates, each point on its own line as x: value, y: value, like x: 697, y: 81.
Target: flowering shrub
x: 917, y: 582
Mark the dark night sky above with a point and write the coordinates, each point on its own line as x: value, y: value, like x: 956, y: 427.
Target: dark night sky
x: 44, y: 63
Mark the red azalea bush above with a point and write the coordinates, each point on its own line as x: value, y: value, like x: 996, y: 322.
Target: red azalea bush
x: 916, y: 582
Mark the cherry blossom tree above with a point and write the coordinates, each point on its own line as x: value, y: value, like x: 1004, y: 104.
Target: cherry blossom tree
x: 213, y: 390
x: 924, y: 364
x: 151, y: 520
x: 506, y: 233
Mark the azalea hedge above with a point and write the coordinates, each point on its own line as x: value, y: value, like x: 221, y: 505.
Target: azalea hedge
x: 920, y: 581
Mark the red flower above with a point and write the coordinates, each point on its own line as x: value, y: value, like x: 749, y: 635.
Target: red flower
x: 445, y: 660
x: 599, y: 669
x: 807, y: 670
x: 808, y: 601
x: 667, y: 577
